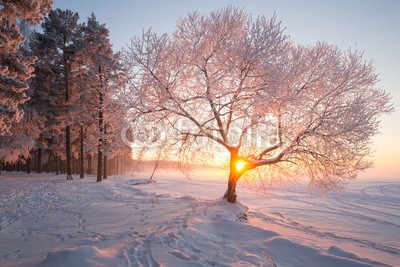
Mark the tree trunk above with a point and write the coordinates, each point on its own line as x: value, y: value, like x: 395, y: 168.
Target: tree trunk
x: 89, y: 164
x: 39, y: 160
x: 23, y: 165
x: 18, y: 165
x: 99, y: 163
x: 68, y: 129
x: 28, y: 164
x: 57, y: 161
x: 105, y: 157
x: 230, y: 193
x: 73, y: 165
x: 154, y: 170
x: 81, y: 158
x: 111, y: 166
x: 124, y: 163
x: 118, y: 165
x: 100, y: 148
x: 48, y: 165
x: 68, y: 151
x: 115, y: 172
x: 100, y: 152
x: 234, y: 176
x: 105, y: 168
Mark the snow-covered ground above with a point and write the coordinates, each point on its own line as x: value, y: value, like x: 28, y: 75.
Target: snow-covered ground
x: 48, y: 221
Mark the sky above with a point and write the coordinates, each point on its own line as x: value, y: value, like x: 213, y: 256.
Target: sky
x: 372, y: 26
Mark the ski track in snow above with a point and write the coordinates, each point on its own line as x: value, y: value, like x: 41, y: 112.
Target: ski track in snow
x: 46, y: 221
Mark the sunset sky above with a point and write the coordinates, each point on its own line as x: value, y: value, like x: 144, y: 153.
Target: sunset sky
x: 371, y: 26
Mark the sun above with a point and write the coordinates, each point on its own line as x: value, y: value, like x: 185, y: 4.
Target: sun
x: 240, y: 164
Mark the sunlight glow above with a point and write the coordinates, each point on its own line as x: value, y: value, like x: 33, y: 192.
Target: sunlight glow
x: 240, y: 165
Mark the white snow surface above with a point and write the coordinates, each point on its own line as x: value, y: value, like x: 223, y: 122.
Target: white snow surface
x: 46, y: 220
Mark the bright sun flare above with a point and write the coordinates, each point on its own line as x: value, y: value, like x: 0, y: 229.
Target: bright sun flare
x: 240, y: 165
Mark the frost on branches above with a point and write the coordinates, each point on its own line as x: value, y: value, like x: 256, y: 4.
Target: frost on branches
x: 15, y: 69
x: 294, y: 110
x: 17, y: 146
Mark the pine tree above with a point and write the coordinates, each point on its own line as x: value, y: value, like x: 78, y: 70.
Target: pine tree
x: 101, y: 70
x: 56, y: 48
x: 46, y: 99
x: 15, y: 69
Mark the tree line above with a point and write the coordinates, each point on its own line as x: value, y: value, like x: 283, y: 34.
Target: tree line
x: 60, y: 82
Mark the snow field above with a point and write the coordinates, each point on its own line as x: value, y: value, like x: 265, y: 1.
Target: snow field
x: 48, y: 221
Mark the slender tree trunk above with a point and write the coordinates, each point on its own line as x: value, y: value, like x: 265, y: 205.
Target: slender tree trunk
x: 28, y: 164
x: 68, y: 128
x: 117, y: 165
x: 68, y: 151
x: 39, y: 161
x: 39, y: 155
x: 23, y: 165
x: 234, y: 176
x: 57, y: 161
x: 63, y: 166
x: 105, y: 157
x: 100, y: 148
x: 121, y: 165
x: 48, y: 165
x: 110, y: 167
x: 99, y: 162
x: 124, y: 164
x: 89, y: 164
x: 18, y: 165
x: 105, y: 168
x: 154, y: 170
x: 34, y: 160
x: 81, y: 158
x: 78, y: 165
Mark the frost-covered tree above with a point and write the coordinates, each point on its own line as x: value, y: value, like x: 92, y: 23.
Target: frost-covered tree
x: 55, y: 48
x: 47, y: 99
x: 16, y: 145
x: 99, y: 72
x: 15, y: 68
x: 231, y: 81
